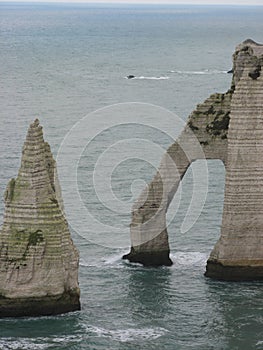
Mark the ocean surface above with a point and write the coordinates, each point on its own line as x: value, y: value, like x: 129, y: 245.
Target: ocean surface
x: 67, y: 65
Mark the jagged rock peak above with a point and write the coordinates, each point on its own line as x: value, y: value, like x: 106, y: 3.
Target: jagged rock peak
x: 254, y: 48
x: 35, y: 124
x: 38, y: 260
x: 252, y: 42
x: 35, y: 133
x: 248, y: 54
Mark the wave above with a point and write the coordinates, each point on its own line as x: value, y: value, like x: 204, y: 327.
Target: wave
x: 189, y: 259
x: 84, y: 263
x: 149, y: 78
x: 130, y: 334
x: 43, y: 343
x: 115, y: 260
x: 111, y: 261
x: 23, y: 344
x: 202, y: 72
x: 38, y: 343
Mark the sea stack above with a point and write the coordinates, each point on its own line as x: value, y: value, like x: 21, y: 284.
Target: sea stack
x: 38, y: 260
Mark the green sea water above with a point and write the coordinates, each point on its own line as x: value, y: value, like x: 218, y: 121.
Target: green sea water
x: 62, y: 63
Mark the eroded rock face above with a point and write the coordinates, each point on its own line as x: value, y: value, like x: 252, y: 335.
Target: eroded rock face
x: 209, y: 124
x: 238, y: 255
x: 38, y: 260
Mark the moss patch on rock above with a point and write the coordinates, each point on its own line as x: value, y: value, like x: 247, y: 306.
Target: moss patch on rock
x: 35, y: 238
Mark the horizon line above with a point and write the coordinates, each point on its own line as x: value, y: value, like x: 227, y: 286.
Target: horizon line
x: 130, y: 2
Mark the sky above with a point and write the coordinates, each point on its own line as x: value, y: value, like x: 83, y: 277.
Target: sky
x: 186, y: 2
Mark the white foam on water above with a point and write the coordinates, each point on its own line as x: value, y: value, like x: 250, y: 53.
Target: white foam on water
x: 189, y: 259
x: 92, y: 263
x: 203, y: 72
x: 132, y: 264
x: 22, y: 344
x: 67, y: 339
x: 179, y: 258
x: 130, y: 334
x: 84, y: 263
x: 112, y: 261
x: 38, y: 343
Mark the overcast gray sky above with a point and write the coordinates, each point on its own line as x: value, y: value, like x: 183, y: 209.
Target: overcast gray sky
x: 206, y: 2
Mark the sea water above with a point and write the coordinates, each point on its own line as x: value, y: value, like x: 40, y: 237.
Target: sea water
x: 68, y: 65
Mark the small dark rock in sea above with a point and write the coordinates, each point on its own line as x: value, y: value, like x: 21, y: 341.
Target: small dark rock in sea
x: 231, y: 71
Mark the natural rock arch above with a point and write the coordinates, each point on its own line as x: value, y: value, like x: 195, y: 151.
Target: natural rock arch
x: 148, y: 228
x: 216, y: 125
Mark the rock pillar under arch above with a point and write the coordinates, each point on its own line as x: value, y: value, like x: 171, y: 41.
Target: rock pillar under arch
x: 204, y: 137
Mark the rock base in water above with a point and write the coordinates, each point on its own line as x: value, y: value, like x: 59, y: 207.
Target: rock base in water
x: 38, y: 259
x: 222, y: 272
x: 44, y: 306
x: 153, y: 259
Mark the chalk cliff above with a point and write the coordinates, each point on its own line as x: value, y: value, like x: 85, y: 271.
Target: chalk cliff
x: 238, y: 255
x: 38, y: 260
x: 209, y: 124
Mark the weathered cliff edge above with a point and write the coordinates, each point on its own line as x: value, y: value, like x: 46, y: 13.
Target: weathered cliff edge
x: 238, y: 255
x: 228, y: 127
x: 38, y: 260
